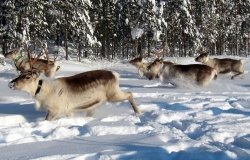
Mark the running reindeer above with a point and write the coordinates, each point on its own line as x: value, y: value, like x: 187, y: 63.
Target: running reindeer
x: 223, y: 66
x: 173, y: 73
x: 141, y: 65
x: 32, y: 61
x: 64, y: 95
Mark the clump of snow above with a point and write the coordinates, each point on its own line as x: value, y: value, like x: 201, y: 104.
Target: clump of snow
x: 157, y: 35
x: 136, y: 33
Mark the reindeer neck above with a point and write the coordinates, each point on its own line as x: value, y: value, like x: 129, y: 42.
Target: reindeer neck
x: 209, y: 62
x: 142, y: 67
x: 42, y: 89
x: 38, y: 89
x: 18, y: 57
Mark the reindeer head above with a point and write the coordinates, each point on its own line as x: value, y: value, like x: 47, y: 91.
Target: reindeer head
x: 11, y: 55
x: 203, y: 58
x: 25, y: 82
x: 137, y: 61
x: 153, y: 69
x: 155, y: 66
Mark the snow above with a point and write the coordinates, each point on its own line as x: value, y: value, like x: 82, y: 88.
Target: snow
x: 136, y: 33
x: 157, y: 35
x: 176, y: 123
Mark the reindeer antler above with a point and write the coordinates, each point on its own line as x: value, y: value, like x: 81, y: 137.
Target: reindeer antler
x: 32, y: 57
x: 45, y: 48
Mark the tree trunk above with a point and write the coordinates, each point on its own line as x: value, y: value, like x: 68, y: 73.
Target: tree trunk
x: 79, y: 52
x: 108, y: 48
x: 165, y: 46
x: 139, y: 49
x: 4, y: 48
x: 135, y: 52
x: 103, y: 49
x: 127, y: 49
x: 237, y: 42
x: 179, y: 46
x: 246, y: 48
x: 149, y: 46
x: 66, y: 43
x: 123, y: 48
x: 184, y: 47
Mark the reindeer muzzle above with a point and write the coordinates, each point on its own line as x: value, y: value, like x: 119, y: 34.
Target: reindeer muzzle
x: 11, y: 85
x: 57, y: 68
x: 196, y: 59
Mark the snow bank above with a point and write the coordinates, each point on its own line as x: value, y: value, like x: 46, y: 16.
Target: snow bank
x: 176, y: 123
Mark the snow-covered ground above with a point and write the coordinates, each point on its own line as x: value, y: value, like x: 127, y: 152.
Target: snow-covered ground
x: 211, y: 123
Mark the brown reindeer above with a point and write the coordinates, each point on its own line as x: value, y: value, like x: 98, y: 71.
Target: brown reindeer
x: 171, y: 72
x: 225, y: 65
x: 65, y: 95
x: 141, y: 65
x: 26, y: 63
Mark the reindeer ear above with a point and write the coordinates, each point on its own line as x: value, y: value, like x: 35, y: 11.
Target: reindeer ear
x: 161, y: 60
x: 27, y: 76
x: 35, y: 74
x: 206, y: 54
x: 143, y: 60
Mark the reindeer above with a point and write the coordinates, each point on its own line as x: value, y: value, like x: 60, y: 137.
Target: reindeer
x: 155, y: 68
x: 26, y: 63
x: 157, y: 53
x: 171, y: 72
x: 64, y: 95
x: 222, y: 66
x: 141, y: 65
x: 2, y: 62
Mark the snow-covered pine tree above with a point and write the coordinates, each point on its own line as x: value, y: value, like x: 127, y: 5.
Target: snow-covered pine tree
x: 181, y: 30
x: 145, y: 21
x: 103, y: 17
x: 129, y: 26
x: 23, y: 21
x: 237, y: 20
x: 8, y: 24
x: 204, y: 15
x: 73, y: 18
x: 122, y: 28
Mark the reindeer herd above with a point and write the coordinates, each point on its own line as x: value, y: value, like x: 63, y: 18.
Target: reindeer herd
x: 30, y: 61
x: 85, y: 91
x: 199, y: 74
x: 65, y: 95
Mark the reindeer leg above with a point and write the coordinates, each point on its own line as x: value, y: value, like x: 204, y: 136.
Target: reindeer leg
x: 141, y: 74
x: 90, y: 113
x: 239, y: 73
x: 120, y: 96
x: 49, y: 116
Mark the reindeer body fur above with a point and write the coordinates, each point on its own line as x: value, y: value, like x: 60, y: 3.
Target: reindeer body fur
x: 176, y: 73
x: 225, y: 65
x: 24, y: 63
x: 84, y: 91
x: 141, y: 65
x: 201, y: 75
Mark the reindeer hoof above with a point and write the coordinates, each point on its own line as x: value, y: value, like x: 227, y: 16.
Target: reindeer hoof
x: 137, y: 114
x: 57, y: 68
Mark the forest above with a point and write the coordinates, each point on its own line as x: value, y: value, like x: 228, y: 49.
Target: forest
x: 129, y: 28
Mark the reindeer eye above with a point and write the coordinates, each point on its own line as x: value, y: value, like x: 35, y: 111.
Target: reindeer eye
x: 27, y: 77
